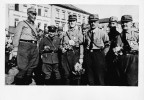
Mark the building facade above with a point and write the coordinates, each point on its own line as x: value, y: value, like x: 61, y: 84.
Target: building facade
x: 47, y: 14
x: 18, y: 12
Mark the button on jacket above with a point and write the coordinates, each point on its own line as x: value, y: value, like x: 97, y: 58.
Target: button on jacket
x: 50, y: 57
x: 23, y: 31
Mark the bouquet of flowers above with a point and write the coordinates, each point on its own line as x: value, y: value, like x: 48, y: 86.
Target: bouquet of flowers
x: 118, y: 50
x: 78, y: 70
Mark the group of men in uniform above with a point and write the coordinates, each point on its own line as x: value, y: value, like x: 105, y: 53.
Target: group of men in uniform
x: 83, y: 55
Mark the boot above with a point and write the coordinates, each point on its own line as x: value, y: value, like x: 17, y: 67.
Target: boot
x: 47, y: 82
x: 28, y: 80
x: 19, y: 81
x: 58, y: 81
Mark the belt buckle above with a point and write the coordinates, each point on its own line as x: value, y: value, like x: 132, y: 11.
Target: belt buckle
x: 91, y: 50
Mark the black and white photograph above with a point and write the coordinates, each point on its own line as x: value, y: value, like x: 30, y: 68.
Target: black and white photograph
x: 88, y: 48
x: 62, y: 44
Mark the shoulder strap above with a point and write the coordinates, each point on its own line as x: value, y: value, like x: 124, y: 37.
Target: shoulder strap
x: 68, y: 36
x: 51, y: 42
x: 34, y: 32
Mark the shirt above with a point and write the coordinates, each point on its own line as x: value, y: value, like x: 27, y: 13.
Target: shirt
x: 132, y: 38
x: 100, y: 38
x: 73, y: 34
x: 23, y: 31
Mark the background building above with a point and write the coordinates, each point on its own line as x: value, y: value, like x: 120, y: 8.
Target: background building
x: 47, y: 14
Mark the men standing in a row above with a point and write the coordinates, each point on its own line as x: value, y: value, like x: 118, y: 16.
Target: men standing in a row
x: 129, y: 59
x: 98, y: 45
x: 25, y: 48
x: 111, y: 59
x: 49, y: 49
x: 72, y: 49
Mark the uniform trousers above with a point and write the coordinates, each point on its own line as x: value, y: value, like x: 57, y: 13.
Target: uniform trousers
x: 69, y: 59
x: 128, y: 69
x: 49, y: 68
x: 95, y: 67
x: 27, y: 60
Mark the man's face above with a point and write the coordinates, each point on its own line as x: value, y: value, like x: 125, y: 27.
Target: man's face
x: 52, y: 34
x: 60, y: 32
x: 72, y: 23
x: 94, y: 24
x: 126, y: 25
x: 32, y: 16
x: 113, y: 24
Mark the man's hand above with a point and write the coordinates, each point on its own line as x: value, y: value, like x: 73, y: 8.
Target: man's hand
x: 63, y: 50
x: 14, y: 53
x: 80, y: 60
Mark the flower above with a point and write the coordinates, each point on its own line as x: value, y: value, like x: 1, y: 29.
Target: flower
x: 118, y: 50
x: 71, y: 42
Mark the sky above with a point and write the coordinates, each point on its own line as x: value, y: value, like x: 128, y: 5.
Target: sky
x: 106, y: 11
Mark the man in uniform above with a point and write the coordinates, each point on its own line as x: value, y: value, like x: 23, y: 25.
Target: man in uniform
x: 98, y: 45
x: 49, y: 49
x: 129, y: 59
x: 115, y: 41
x: 72, y: 49
x: 25, y: 48
x: 60, y: 32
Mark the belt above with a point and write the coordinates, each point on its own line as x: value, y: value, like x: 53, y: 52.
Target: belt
x: 94, y: 50
x: 30, y: 41
x: 50, y: 51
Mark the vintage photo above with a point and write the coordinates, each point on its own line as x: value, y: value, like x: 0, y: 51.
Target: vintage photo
x: 74, y: 45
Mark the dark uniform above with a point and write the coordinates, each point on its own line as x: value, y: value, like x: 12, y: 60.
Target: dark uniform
x: 72, y: 54
x: 111, y: 59
x: 49, y: 49
x: 129, y: 59
x: 98, y: 41
x: 25, y: 44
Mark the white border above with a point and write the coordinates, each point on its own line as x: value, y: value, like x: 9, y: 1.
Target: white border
x: 73, y: 92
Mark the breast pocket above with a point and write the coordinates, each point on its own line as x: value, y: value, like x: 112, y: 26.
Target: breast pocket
x: 26, y: 30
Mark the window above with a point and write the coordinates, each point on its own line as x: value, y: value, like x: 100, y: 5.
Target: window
x: 83, y: 19
x: 57, y: 13
x: 39, y: 24
x: 45, y: 25
x: 24, y: 5
x: 46, y: 13
x: 79, y: 18
x: 16, y: 22
x: 57, y: 23
x: 63, y: 14
x: 16, y: 7
x: 39, y: 12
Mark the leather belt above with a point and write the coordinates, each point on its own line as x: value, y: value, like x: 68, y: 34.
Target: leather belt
x: 30, y: 41
x: 94, y: 50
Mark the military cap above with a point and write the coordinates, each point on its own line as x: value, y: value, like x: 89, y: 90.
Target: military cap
x: 84, y: 26
x: 31, y: 9
x: 126, y: 18
x: 113, y: 19
x: 52, y: 28
x: 94, y: 17
x: 60, y: 28
x: 72, y: 17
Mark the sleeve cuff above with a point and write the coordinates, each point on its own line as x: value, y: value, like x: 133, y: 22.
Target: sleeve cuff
x: 15, y: 49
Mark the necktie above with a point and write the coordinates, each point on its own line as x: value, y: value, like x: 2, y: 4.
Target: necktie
x: 92, y: 40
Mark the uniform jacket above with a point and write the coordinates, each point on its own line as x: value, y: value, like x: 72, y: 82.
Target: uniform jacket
x: 100, y: 38
x: 23, y: 31
x: 75, y: 34
x: 50, y: 56
x: 132, y: 38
